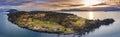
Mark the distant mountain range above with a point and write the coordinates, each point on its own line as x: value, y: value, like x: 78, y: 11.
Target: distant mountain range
x: 83, y: 9
x: 94, y: 9
x: 4, y: 10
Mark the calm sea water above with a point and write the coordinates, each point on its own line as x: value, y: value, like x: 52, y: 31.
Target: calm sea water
x: 7, y: 29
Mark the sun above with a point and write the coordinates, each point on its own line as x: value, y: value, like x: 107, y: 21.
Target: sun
x: 91, y: 2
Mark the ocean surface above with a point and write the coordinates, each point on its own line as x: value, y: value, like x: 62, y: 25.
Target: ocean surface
x: 8, y: 29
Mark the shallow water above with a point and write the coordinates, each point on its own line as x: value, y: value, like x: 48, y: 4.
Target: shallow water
x: 7, y: 29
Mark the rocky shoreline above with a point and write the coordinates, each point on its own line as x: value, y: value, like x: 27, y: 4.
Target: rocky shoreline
x: 55, y: 22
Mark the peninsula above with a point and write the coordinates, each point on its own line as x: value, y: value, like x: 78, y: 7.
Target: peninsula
x: 55, y: 22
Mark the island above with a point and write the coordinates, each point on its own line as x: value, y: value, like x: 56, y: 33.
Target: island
x: 55, y: 22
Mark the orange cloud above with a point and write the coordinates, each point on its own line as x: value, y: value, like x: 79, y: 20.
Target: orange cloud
x: 48, y: 4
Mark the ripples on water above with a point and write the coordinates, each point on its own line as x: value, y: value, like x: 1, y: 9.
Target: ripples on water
x: 9, y: 29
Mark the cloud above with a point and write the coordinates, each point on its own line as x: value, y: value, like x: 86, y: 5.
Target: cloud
x: 41, y: 4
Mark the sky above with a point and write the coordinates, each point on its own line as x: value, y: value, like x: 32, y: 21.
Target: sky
x: 41, y: 4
